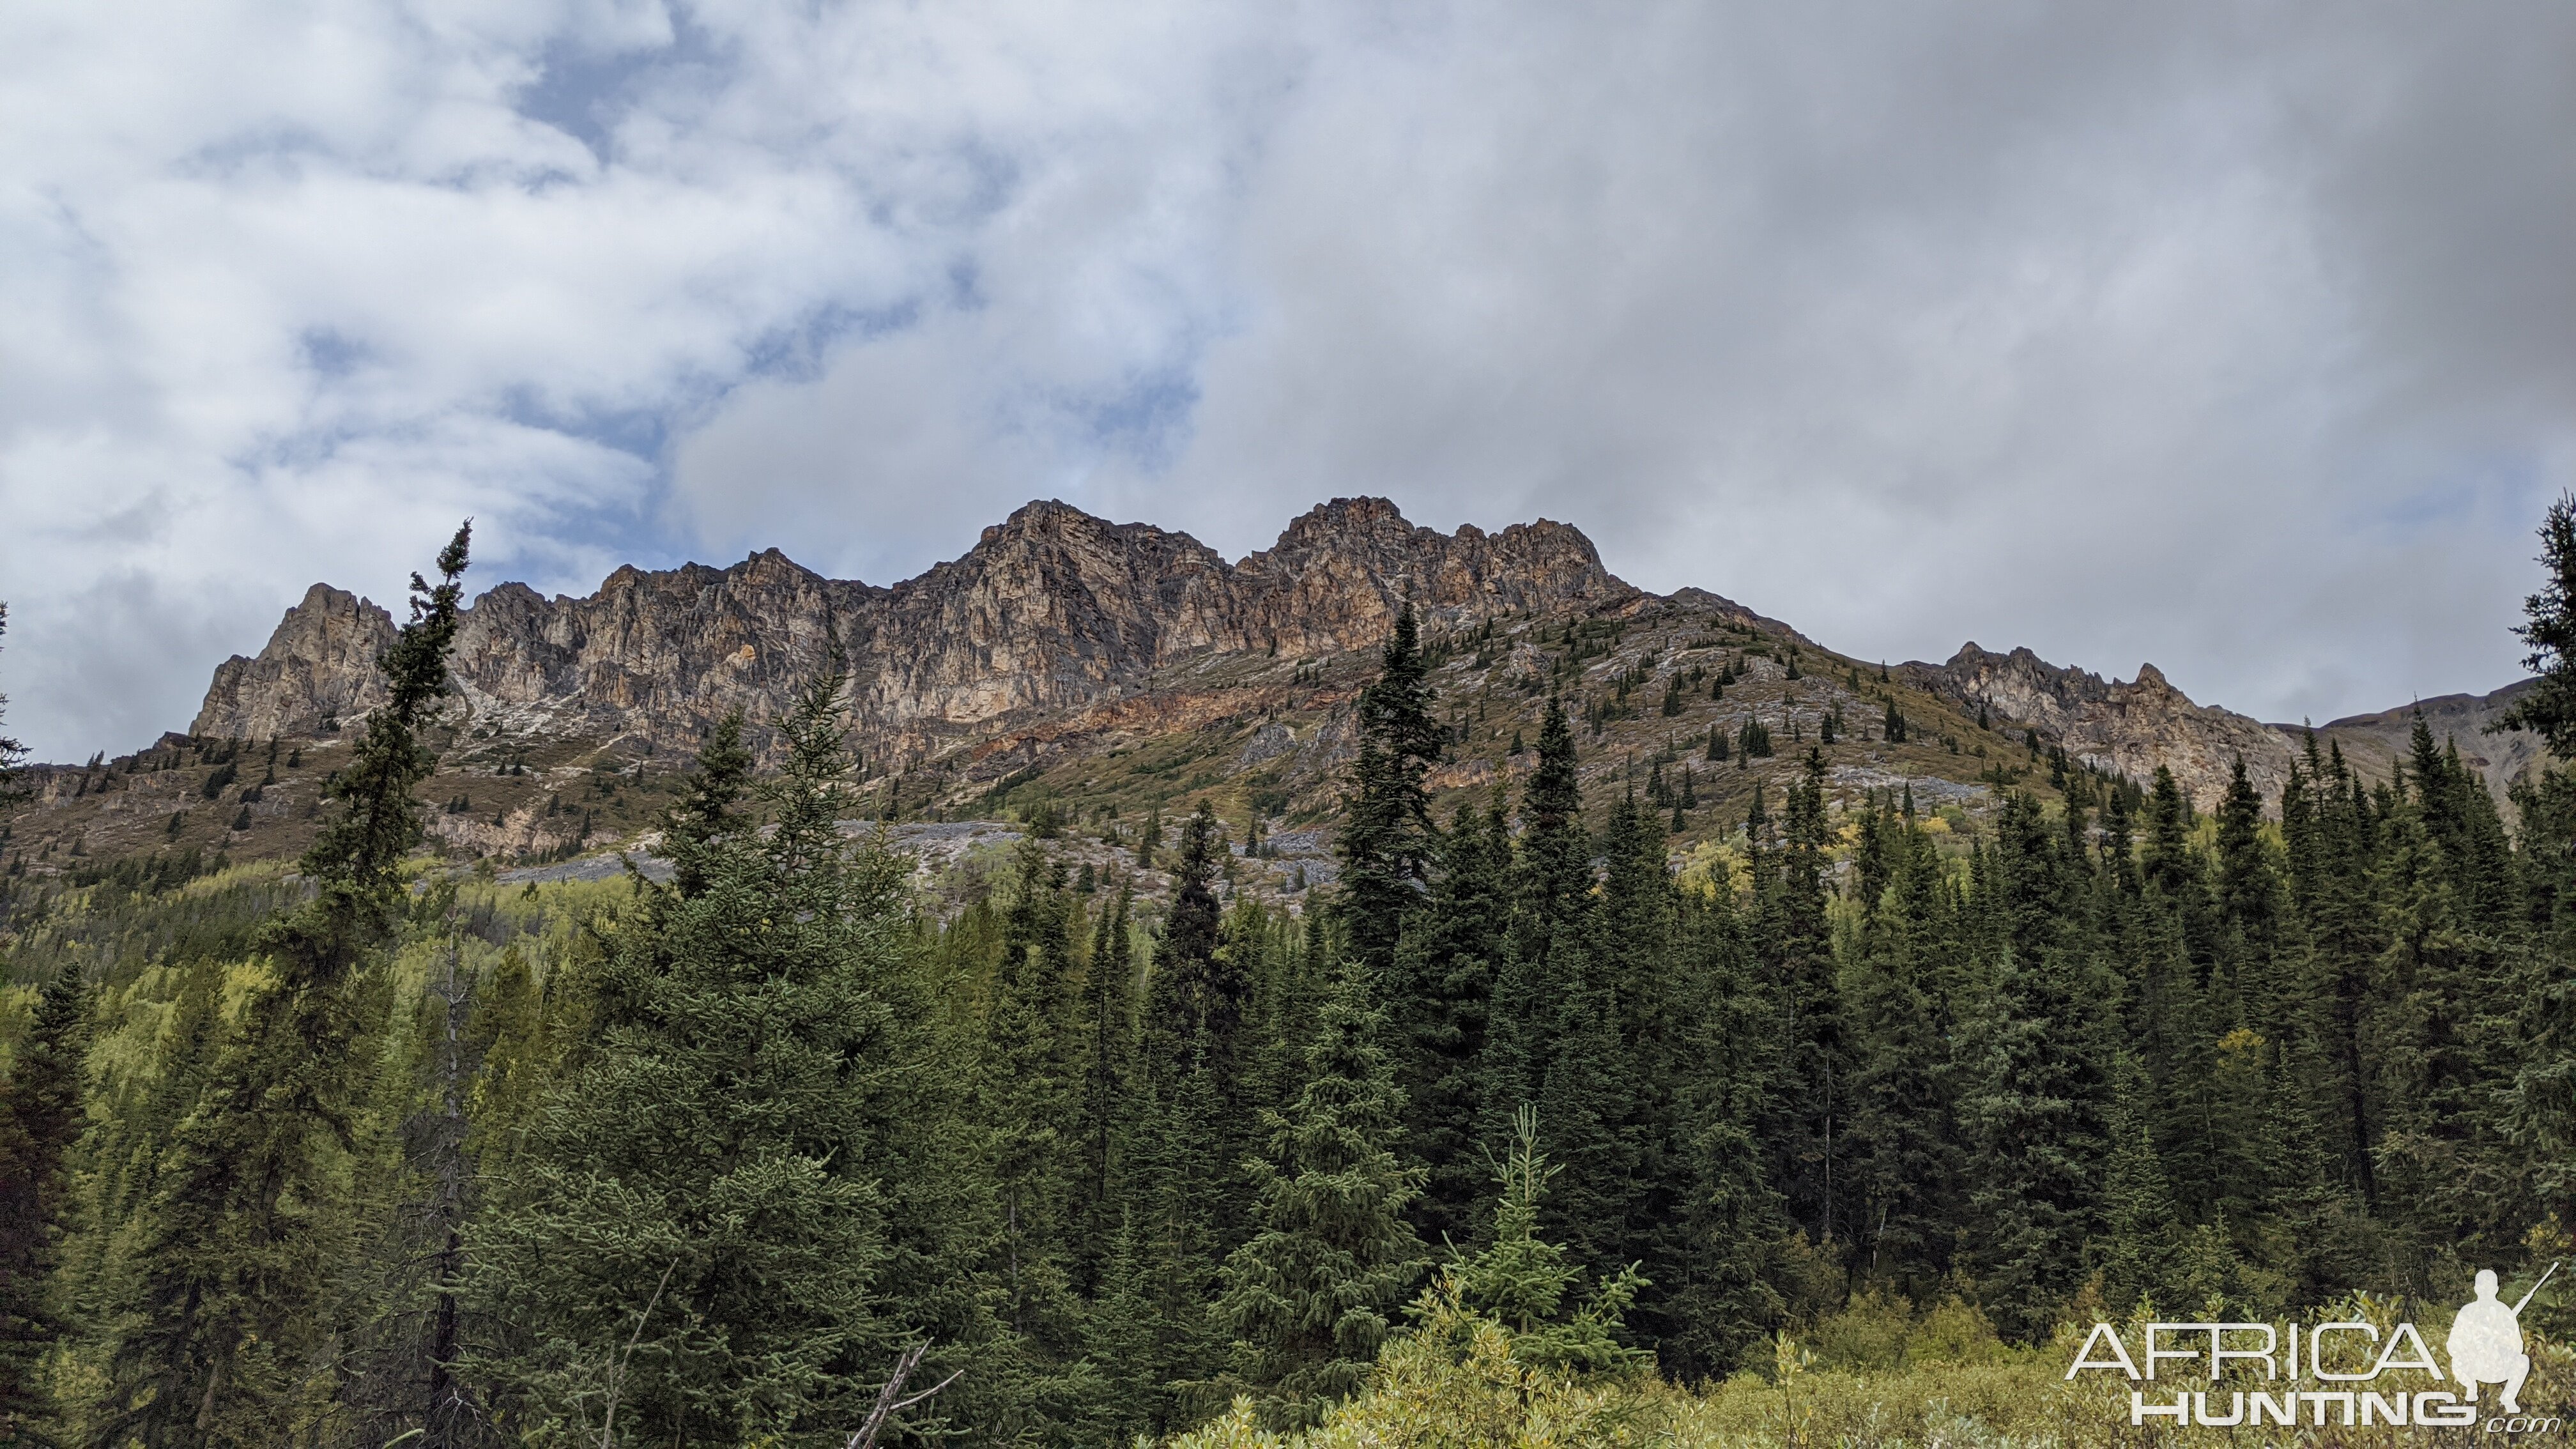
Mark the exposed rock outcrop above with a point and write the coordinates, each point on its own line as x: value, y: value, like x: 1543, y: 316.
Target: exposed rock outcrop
x: 1059, y: 631
x: 2131, y: 728
x: 1050, y: 611
x: 319, y: 666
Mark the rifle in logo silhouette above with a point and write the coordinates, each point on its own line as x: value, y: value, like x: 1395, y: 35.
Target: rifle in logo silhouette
x: 2486, y: 1341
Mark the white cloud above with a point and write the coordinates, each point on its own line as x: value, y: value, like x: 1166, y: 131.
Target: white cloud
x: 2187, y: 332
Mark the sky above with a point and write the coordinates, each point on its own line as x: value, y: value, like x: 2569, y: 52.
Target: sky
x: 2240, y: 338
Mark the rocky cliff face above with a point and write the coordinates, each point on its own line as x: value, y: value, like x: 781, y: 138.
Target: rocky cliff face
x: 318, y: 666
x: 1053, y: 610
x: 2131, y: 728
x: 1060, y: 633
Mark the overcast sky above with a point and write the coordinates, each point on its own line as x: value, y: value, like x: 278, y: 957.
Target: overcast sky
x: 2239, y: 338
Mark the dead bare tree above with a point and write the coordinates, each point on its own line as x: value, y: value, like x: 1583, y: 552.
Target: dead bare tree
x: 888, y: 1405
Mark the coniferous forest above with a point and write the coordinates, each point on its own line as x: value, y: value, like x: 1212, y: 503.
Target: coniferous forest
x: 1513, y: 1124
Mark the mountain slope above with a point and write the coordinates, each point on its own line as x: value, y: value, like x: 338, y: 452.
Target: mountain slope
x: 1103, y: 671
x: 2129, y: 729
x: 2375, y: 742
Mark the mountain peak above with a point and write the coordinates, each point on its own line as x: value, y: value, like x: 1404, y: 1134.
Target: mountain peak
x: 1042, y: 516
x: 2131, y: 729
x: 1056, y: 614
x: 1053, y: 608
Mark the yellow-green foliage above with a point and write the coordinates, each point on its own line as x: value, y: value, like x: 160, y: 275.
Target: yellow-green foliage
x: 1453, y: 1381
x: 1714, y: 865
x: 1877, y: 1376
x: 17, y: 1009
x: 140, y: 1071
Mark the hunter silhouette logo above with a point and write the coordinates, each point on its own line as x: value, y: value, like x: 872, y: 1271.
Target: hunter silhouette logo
x: 2486, y: 1341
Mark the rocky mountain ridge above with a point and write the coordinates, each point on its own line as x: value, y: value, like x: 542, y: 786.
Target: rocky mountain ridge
x: 1102, y: 671
x: 1053, y: 610
x: 2127, y: 728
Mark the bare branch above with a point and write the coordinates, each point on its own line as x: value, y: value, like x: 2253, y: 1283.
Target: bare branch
x: 617, y: 1375
x: 887, y: 1405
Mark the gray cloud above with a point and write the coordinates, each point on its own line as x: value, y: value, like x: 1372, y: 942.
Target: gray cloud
x: 2205, y: 333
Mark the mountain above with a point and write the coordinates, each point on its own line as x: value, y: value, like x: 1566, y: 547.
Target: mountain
x: 1102, y: 672
x: 1053, y: 610
x: 2128, y: 729
x: 2375, y: 742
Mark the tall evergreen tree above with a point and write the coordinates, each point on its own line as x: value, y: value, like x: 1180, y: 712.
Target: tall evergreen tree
x: 1193, y: 1128
x: 40, y: 1120
x: 238, y: 1246
x: 736, y: 1213
x: 2332, y: 830
x: 1899, y: 993
x: 2540, y: 1101
x: 2141, y: 1253
x: 2439, y: 987
x: 1445, y: 979
x: 1105, y: 1022
x: 11, y: 751
x: 1025, y: 1100
x: 709, y: 814
x: 2251, y: 909
x: 410, y: 1329
x: 1308, y: 1299
x: 1387, y: 839
x: 2035, y: 1108
x: 1608, y: 1028
x: 1551, y: 895
x: 1718, y: 1263
x: 1799, y: 943
x: 2548, y: 708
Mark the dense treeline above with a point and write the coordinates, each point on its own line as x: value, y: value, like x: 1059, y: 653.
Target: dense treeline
x: 381, y: 1155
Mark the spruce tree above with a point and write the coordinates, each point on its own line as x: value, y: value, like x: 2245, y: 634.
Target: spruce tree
x: 409, y: 1331
x: 1308, y: 1300
x: 1899, y: 995
x: 1616, y: 1032
x: 1150, y: 839
x: 1192, y: 1130
x: 1715, y: 1265
x: 1799, y: 945
x: 1439, y: 1010
x: 1124, y: 1336
x: 2332, y: 829
x: 1554, y: 885
x: 709, y: 812
x: 222, y: 1310
x: 1551, y: 897
x: 749, y: 1180
x: 1387, y: 839
x: 11, y: 751
x: 1025, y: 1100
x: 2251, y: 907
x: 1523, y: 1281
x: 40, y: 1121
x: 1105, y: 1024
x: 2035, y: 1106
x: 2548, y: 708
x: 2439, y: 1051
x: 2540, y: 1101
x: 2141, y: 1253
